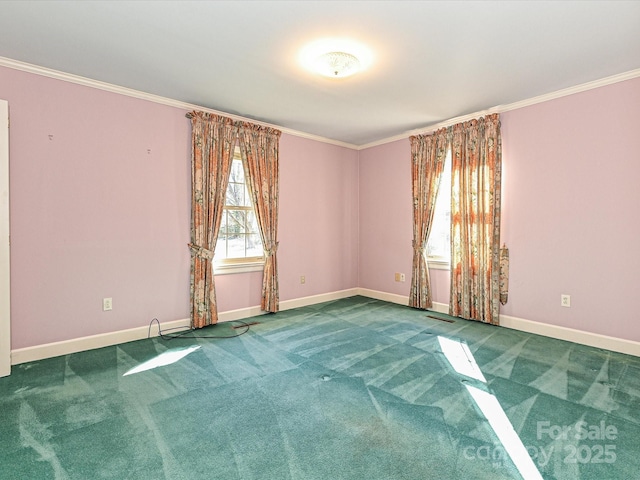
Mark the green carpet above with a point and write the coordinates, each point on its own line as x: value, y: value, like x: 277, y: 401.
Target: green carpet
x: 351, y: 389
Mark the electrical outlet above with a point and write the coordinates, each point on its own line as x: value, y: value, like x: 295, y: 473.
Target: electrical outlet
x: 107, y: 304
x: 565, y: 300
x: 302, y: 279
x: 402, y: 278
x: 397, y: 277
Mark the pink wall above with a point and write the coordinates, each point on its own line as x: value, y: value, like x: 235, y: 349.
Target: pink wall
x: 101, y: 209
x: 318, y: 226
x: 570, y: 200
x: 318, y: 218
x: 386, y: 232
x: 95, y: 214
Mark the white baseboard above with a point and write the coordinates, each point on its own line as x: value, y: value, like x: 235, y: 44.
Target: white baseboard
x: 255, y: 311
x: 441, y: 307
x: 55, y: 349
x: 323, y: 297
x: 597, y: 340
x: 563, y: 333
x: 40, y: 352
x: 65, y: 347
x: 387, y: 297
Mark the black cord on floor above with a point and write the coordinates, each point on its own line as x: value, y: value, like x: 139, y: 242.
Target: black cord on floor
x: 184, y: 333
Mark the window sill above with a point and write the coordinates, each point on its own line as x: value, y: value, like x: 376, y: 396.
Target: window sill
x: 439, y: 264
x: 230, y: 269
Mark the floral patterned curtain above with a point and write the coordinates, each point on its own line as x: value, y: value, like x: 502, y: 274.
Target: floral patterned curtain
x: 213, y: 142
x: 475, y: 220
x: 259, y: 147
x: 428, y: 154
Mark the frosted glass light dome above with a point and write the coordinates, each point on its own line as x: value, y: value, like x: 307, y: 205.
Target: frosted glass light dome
x: 337, y: 64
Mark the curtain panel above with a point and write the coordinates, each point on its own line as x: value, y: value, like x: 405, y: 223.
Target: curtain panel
x: 260, y: 149
x: 428, y: 153
x: 213, y: 143
x: 475, y: 220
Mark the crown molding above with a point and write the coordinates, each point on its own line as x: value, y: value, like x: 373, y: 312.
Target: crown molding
x: 511, y: 106
x: 88, y: 82
x: 129, y: 92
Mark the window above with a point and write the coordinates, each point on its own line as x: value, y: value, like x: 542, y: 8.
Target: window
x: 439, y: 243
x: 239, y: 246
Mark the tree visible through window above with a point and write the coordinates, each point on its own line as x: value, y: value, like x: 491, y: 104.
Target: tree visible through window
x: 239, y: 238
x: 439, y: 242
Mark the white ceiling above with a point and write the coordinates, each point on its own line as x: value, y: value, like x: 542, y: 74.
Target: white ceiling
x: 434, y: 60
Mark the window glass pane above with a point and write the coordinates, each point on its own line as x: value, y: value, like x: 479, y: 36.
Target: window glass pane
x: 237, y: 172
x: 236, y: 222
x: 239, y: 235
x: 252, y: 223
x: 236, y: 194
x: 254, y: 246
x: 235, y: 247
x: 221, y: 248
x: 439, y: 244
x: 247, y: 198
x: 223, y: 224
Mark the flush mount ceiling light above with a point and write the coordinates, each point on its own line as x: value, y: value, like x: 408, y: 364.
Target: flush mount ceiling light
x: 335, y: 57
x: 337, y: 64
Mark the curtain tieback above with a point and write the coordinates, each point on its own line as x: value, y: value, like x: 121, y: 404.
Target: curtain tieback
x: 418, y: 248
x: 201, y: 252
x: 268, y: 252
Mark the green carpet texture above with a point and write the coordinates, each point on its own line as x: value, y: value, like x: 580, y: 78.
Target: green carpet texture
x: 351, y: 389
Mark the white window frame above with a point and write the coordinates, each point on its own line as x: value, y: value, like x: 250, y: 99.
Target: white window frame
x: 438, y: 264
x: 244, y: 264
